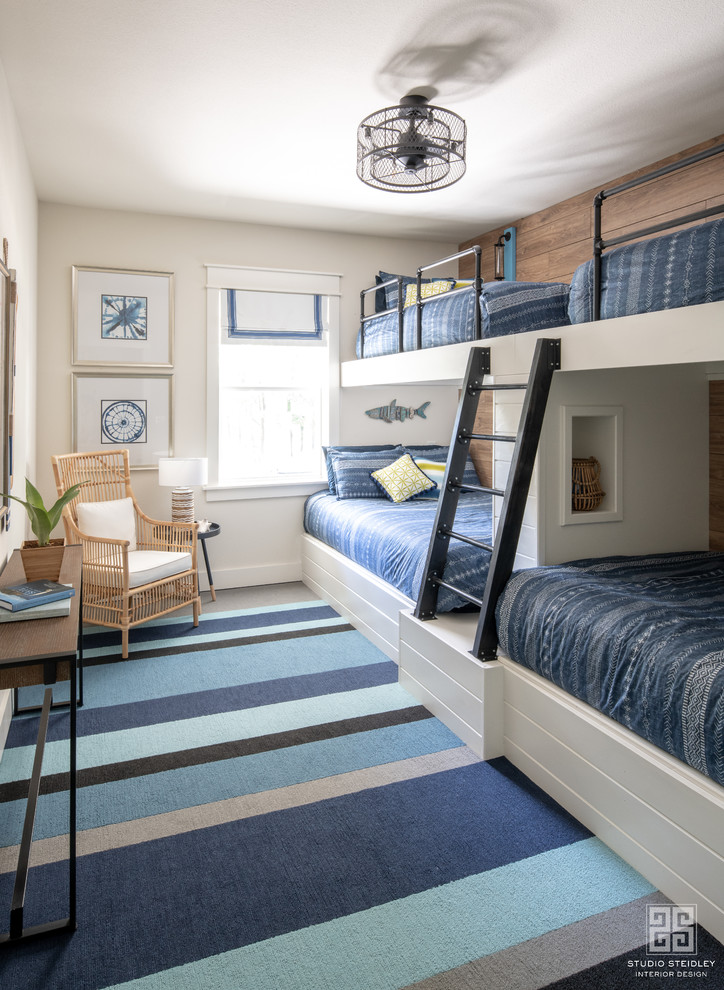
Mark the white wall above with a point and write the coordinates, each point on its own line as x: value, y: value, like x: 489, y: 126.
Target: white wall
x: 18, y: 223
x: 260, y: 540
x: 664, y: 464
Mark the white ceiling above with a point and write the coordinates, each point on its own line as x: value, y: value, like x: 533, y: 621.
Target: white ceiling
x: 248, y: 109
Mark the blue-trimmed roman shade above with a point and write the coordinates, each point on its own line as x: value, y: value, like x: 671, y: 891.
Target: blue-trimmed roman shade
x: 247, y: 315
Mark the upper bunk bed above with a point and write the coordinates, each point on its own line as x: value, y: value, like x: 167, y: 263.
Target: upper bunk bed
x: 642, y: 300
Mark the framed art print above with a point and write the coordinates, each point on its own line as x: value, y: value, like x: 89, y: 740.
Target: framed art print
x: 122, y: 317
x: 132, y: 411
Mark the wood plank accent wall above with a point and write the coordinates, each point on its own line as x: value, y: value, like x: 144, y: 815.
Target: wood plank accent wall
x: 481, y: 451
x: 551, y: 244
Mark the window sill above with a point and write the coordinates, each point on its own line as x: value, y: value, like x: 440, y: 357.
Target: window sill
x: 264, y: 489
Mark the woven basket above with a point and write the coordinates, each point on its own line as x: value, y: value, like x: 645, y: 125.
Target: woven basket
x: 587, y: 493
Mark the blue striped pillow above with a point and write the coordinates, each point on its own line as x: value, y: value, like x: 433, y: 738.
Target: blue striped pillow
x: 352, y: 471
x: 330, y: 451
x: 517, y: 307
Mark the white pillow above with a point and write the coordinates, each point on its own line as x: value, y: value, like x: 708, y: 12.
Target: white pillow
x: 112, y: 520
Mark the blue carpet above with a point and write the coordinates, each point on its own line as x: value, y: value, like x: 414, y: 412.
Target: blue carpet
x: 263, y: 806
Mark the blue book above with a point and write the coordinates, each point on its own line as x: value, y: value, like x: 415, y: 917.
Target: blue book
x: 28, y: 594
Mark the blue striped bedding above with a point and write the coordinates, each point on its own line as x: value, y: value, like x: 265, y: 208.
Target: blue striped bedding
x: 683, y: 268
x: 641, y: 639
x: 392, y: 540
x: 505, y: 308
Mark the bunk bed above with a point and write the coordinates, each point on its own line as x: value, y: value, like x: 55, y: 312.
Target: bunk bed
x: 631, y: 306
x: 389, y: 540
x: 683, y: 268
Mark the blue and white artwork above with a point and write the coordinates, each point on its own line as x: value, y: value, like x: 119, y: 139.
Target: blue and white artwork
x: 124, y: 421
x: 124, y: 317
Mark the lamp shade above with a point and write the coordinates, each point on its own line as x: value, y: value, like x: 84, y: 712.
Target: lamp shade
x: 182, y: 472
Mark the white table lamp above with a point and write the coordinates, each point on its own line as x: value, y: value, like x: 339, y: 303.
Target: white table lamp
x: 182, y: 474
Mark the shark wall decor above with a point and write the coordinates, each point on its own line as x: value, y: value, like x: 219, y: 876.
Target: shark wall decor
x: 393, y: 413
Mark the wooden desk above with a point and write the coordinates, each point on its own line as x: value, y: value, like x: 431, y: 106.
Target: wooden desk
x: 43, y: 651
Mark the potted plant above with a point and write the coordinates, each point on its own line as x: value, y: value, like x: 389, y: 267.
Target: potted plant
x: 42, y: 557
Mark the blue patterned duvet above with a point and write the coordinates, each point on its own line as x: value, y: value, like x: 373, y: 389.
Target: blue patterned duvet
x: 505, y: 308
x: 639, y: 638
x: 392, y: 540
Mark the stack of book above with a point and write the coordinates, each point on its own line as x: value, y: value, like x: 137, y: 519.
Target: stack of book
x: 35, y: 600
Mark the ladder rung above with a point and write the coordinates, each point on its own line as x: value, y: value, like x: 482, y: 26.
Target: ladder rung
x: 491, y: 436
x: 479, y: 488
x: 465, y: 539
x: 501, y: 386
x: 458, y: 591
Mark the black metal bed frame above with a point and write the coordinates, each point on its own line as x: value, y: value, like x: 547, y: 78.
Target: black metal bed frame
x: 600, y: 245
x: 477, y: 285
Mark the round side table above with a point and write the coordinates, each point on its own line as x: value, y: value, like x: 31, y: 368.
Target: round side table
x: 213, y: 530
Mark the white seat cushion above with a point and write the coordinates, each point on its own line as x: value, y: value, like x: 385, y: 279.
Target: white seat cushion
x: 145, y: 566
x: 112, y: 520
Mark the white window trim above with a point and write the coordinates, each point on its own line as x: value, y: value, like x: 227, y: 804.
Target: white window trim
x: 220, y: 277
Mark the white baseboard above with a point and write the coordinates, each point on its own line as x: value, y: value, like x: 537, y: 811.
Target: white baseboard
x: 249, y: 577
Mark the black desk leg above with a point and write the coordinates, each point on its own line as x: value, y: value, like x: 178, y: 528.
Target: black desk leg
x: 18, y: 932
x: 76, y: 669
x: 208, y: 570
x: 21, y: 874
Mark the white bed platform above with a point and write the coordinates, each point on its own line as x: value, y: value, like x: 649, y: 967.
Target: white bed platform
x: 658, y: 814
x: 690, y: 335
x: 372, y: 605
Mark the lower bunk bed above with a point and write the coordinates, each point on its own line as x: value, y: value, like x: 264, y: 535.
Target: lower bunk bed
x: 368, y: 552
x: 614, y: 704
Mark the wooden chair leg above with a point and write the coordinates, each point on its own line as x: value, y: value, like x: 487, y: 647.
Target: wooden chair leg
x: 124, y: 644
x: 196, y: 611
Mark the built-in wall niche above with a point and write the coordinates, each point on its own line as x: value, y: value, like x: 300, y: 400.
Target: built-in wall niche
x: 592, y: 431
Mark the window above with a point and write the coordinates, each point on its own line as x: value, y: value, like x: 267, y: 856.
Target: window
x: 272, y: 351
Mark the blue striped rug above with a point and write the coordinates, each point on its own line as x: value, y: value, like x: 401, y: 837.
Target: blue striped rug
x: 262, y: 806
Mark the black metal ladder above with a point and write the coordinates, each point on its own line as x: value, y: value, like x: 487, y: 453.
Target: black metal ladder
x: 546, y: 360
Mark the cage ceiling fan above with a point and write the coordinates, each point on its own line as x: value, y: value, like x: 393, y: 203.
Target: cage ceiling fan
x: 411, y: 147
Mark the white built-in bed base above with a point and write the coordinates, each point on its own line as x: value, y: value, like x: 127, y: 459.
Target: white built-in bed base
x: 658, y: 814
x: 372, y: 605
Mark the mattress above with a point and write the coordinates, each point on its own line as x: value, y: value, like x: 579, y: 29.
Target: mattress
x: 683, y: 268
x: 505, y: 308
x: 392, y: 540
x: 640, y: 639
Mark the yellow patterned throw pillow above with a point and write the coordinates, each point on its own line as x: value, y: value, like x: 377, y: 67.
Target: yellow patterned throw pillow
x: 402, y: 479
x: 428, y: 289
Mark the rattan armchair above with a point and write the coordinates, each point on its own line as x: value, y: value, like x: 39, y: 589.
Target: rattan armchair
x: 134, y: 568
